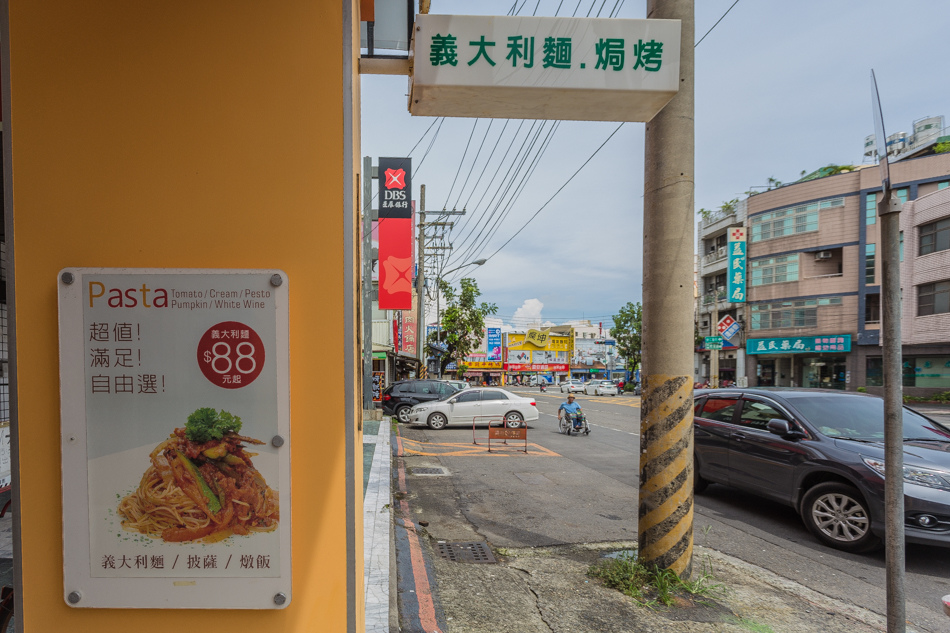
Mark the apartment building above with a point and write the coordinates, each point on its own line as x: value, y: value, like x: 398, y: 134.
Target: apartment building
x: 813, y: 313
x: 712, y: 302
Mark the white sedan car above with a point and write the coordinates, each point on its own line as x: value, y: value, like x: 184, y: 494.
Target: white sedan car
x: 572, y: 386
x: 600, y: 388
x: 482, y: 404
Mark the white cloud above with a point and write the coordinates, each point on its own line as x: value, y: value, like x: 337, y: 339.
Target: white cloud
x: 528, y: 314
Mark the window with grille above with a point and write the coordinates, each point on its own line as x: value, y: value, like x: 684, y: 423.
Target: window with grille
x: 788, y: 314
x: 933, y: 298
x: 870, y: 251
x: 791, y: 221
x: 774, y: 270
x: 934, y: 236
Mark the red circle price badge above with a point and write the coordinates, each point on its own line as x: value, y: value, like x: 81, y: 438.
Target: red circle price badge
x: 231, y: 355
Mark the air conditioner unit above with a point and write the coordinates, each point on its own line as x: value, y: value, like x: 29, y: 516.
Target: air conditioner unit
x: 824, y: 255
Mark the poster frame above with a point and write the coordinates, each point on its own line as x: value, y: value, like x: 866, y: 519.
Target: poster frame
x: 80, y: 588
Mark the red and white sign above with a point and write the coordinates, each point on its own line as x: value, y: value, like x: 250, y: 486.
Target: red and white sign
x: 396, y: 228
x: 231, y: 355
x: 535, y: 367
x: 725, y: 323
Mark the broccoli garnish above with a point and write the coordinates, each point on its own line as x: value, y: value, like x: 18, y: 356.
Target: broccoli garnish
x: 206, y: 424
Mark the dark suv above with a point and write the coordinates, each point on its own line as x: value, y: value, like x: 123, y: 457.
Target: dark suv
x: 400, y: 396
x: 822, y: 453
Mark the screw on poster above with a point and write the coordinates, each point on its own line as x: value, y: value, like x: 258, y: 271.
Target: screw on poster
x: 176, y: 427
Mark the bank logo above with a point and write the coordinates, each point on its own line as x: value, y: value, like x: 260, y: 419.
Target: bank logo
x: 395, y: 178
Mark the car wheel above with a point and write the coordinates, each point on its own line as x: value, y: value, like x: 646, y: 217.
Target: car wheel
x: 699, y: 484
x: 513, y: 420
x: 402, y: 414
x: 437, y: 421
x: 838, y: 516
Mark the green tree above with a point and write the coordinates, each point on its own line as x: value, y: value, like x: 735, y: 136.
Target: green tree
x: 627, y: 326
x: 463, y: 322
x: 941, y: 148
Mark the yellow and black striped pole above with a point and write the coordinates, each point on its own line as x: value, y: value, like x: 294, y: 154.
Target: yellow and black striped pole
x: 665, y: 525
x: 666, y: 474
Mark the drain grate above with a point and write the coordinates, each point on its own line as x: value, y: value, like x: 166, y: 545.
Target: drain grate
x: 428, y: 471
x: 467, y: 552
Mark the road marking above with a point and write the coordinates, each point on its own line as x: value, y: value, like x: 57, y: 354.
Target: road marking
x: 463, y: 449
x: 423, y: 592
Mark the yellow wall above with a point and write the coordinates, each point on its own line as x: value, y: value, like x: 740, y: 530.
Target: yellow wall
x: 189, y: 134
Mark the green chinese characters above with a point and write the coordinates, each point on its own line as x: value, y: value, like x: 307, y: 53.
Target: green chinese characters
x: 556, y: 52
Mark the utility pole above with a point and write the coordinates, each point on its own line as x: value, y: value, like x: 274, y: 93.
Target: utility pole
x: 665, y: 525
x: 367, y: 285
x: 713, y: 330
x: 889, y: 209
x: 420, y: 285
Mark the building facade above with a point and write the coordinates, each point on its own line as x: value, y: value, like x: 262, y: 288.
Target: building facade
x: 813, y: 313
x: 713, y: 304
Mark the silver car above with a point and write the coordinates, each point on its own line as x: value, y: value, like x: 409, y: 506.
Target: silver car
x: 572, y: 386
x: 600, y: 388
x: 482, y: 404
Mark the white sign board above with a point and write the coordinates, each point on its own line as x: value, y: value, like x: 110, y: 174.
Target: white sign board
x: 175, y: 415
x: 515, y: 67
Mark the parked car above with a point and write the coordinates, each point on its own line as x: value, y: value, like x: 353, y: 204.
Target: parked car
x: 400, y: 396
x: 486, y: 404
x: 600, y: 388
x: 822, y: 453
x: 572, y: 386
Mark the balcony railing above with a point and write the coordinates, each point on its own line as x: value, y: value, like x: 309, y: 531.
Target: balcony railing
x: 709, y: 297
x: 715, y: 256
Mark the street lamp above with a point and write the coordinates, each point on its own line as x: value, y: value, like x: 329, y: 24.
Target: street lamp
x: 438, y: 296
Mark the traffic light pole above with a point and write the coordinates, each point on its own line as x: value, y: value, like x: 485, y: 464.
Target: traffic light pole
x: 665, y: 527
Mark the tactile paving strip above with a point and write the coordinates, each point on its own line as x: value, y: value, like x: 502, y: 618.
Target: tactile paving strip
x: 467, y: 552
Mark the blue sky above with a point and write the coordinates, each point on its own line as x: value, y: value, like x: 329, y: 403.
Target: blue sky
x: 781, y: 87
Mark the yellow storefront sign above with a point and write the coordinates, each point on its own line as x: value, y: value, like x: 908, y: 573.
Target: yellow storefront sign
x: 542, y: 340
x: 483, y: 364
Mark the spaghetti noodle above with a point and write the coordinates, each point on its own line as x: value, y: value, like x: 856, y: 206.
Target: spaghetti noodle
x: 201, y: 490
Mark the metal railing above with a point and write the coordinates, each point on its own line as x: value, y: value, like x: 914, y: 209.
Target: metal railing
x: 715, y: 256
x: 719, y: 295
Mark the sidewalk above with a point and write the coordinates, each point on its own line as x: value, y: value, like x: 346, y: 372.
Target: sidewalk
x: 377, y: 520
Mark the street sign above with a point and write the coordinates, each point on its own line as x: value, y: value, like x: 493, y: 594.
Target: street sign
x: 543, y: 67
x: 728, y: 327
x: 713, y: 342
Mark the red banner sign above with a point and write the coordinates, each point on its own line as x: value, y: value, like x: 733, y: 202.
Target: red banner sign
x: 532, y: 367
x: 395, y: 234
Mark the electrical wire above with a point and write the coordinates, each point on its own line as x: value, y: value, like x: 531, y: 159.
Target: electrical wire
x: 461, y: 162
x: 716, y: 24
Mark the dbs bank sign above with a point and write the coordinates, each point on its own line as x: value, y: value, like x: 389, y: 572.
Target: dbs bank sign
x: 395, y: 233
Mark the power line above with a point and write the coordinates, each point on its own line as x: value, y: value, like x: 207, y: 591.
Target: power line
x: 561, y: 188
x: 716, y: 24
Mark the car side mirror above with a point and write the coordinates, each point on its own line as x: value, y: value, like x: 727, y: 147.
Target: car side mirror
x: 453, y: 400
x: 782, y: 428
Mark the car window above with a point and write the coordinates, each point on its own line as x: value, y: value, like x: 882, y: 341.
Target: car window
x: 468, y: 396
x: 427, y: 386
x: 720, y: 409
x: 699, y: 406
x: 406, y: 387
x: 446, y: 389
x: 488, y: 394
x: 757, y: 414
x: 862, y: 417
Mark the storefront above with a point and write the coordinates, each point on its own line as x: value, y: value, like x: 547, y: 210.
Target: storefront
x: 800, y: 361
x: 479, y: 372
x: 537, y: 353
